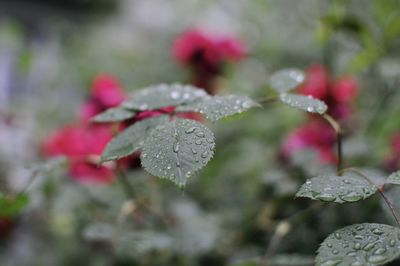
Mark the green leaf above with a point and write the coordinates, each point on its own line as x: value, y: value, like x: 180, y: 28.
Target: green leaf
x: 115, y: 114
x: 340, y: 189
x: 305, y: 103
x: 131, y: 139
x: 163, y: 95
x: 360, y: 244
x: 285, y: 80
x: 99, y: 232
x: 12, y: 205
x: 394, y: 178
x: 217, y: 107
x: 178, y: 149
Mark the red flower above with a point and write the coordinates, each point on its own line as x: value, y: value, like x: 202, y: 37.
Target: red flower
x: 106, y: 92
x: 83, y: 145
x: 316, y: 83
x: 316, y: 135
x: 345, y: 89
x: 206, y: 54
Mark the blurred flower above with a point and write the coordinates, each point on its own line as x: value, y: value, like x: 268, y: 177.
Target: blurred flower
x: 106, y: 92
x: 338, y: 94
x: 316, y: 135
x: 82, y: 145
x: 393, y: 161
x: 206, y: 54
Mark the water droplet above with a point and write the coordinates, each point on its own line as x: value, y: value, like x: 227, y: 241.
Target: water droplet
x: 204, y: 154
x: 190, y: 130
x: 310, y: 109
x: 337, y: 235
x: 359, y: 227
x: 335, y: 252
x: 176, y: 147
x: 380, y: 251
x: 392, y: 242
x: 178, y: 164
x: 200, y: 134
x: 369, y: 246
x: 377, y: 231
x: 331, y: 263
x: 169, y: 167
x: 175, y: 95
x: 194, y: 151
x: 198, y: 141
x: 377, y: 259
x: 357, y: 246
x: 326, y: 197
x: 357, y: 263
x: 351, y: 197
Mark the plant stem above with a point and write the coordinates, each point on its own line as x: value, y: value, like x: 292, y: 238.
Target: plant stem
x: 128, y: 189
x: 338, y: 130
x: 380, y: 190
x: 283, y: 229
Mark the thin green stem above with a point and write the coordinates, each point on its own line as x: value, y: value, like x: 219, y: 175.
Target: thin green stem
x: 338, y: 130
x: 380, y: 190
x: 284, y: 227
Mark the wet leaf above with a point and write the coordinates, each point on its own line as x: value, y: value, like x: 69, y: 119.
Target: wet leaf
x: 360, y: 245
x: 339, y: 189
x: 305, y: 103
x: 163, y: 95
x: 114, y: 115
x: 218, y: 107
x: 394, y: 178
x: 131, y: 139
x: 178, y: 149
x: 285, y: 80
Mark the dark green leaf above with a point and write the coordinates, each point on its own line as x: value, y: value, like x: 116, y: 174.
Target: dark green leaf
x: 114, y: 115
x: 305, y: 103
x: 217, y: 107
x: 178, y: 149
x: 163, y: 95
x: 340, y: 189
x: 131, y: 139
x: 359, y: 245
x: 285, y: 80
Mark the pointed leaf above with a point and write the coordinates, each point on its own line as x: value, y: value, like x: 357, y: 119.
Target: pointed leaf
x: 285, y: 80
x: 217, y: 107
x: 394, y: 178
x: 340, y: 189
x: 131, y: 139
x: 178, y: 149
x: 305, y: 103
x: 163, y: 95
x: 360, y: 244
x: 114, y: 115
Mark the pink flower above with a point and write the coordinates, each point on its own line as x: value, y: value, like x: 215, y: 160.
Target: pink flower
x: 82, y: 145
x: 338, y: 95
x: 106, y: 92
x: 316, y: 135
x: 206, y: 54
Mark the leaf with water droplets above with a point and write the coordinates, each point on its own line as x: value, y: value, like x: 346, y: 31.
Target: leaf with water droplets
x: 285, y: 80
x: 131, y: 139
x: 340, y: 189
x: 394, y: 178
x: 360, y: 245
x: 178, y: 149
x: 115, y: 114
x: 217, y: 107
x: 163, y: 95
x: 305, y: 103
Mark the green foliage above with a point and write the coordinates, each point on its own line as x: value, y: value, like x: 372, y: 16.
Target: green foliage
x: 131, y: 139
x: 339, y: 189
x: 285, y: 80
x: 163, y: 95
x: 178, y: 149
x: 305, y: 103
x: 12, y: 205
x: 394, y: 178
x: 218, y: 107
x: 114, y: 115
x: 360, y: 244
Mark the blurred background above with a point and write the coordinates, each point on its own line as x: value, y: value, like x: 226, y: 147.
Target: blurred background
x: 62, y: 61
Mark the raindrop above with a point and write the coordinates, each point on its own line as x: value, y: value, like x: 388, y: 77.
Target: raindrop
x: 176, y: 147
x: 357, y: 263
x: 357, y: 246
x: 337, y: 235
x: 200, y: 134
x: 369, y: 246
x: 204, y: 154
x: 194, y: 151
x: 198, y: 141
x: 331, y: 263
x: 326, y: 197
x: 380, y: 251
x: 175, y: 95
x: 377, y: 231
x: 392, y: 242
x: 377, y: 259
x: 190, y: 130
x: 351, y: 197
